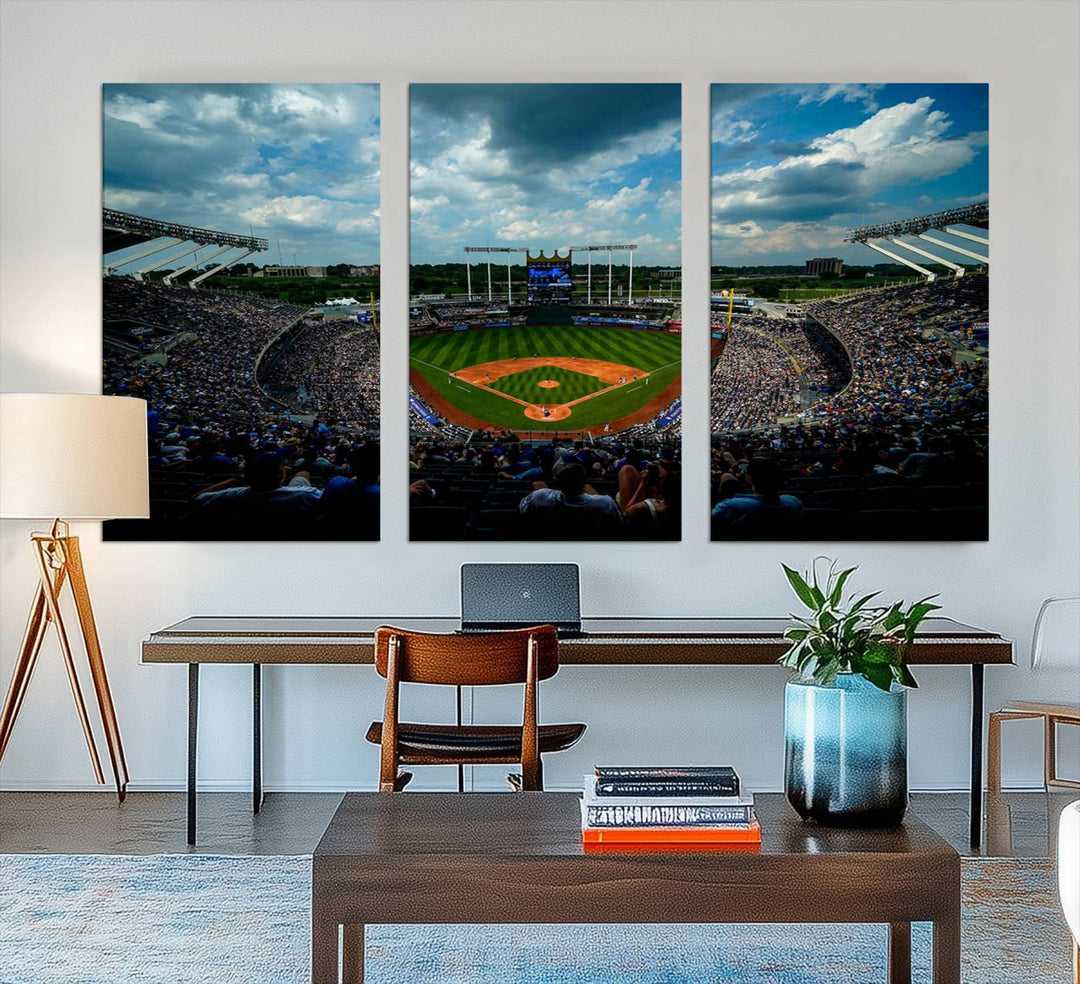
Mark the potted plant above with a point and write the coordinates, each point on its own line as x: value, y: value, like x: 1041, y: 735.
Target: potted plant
x: 845, y: 714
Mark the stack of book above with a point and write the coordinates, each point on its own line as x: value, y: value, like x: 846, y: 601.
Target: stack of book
x: 678, y: 806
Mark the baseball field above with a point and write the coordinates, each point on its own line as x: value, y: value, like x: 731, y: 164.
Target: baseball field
x: 547, y: 377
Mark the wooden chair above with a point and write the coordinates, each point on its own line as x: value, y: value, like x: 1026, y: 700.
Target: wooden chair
x: 484, y: 659
x: 1055, y: 644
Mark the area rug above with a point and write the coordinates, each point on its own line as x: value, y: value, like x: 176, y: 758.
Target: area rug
x: 246, y: 920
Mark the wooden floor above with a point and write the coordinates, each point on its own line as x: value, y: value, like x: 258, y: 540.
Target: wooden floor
x: 1024, y: 824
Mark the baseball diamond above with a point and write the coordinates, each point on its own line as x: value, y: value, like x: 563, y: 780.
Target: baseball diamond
x: 554, y: 376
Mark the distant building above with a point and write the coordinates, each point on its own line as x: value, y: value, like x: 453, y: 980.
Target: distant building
x: 293, y: 271
x: 675, y: 274
x: 372, y: 270
x: 821, y: 264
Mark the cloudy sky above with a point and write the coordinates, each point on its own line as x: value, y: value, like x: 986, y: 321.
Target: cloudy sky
x: 795, y: 166
x: 545, y: 166
x: 298, y: 164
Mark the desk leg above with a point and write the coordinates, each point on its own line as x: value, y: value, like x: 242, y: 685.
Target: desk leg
x: 324, y: 949
x: 461, y: 767
x: 947, y: 950
x: 976, y: 753
x: 900, y: 953
x: 192, y: 747
x: 256, y: 738
x: 352, y: 954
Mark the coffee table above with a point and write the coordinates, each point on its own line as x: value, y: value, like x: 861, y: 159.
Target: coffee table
x: 517, y: 858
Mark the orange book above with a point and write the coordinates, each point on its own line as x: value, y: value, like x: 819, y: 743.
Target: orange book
x: 638, y: 848
x: 748, y: 834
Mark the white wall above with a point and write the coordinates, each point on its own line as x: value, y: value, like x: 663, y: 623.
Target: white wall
x: 55, y: 57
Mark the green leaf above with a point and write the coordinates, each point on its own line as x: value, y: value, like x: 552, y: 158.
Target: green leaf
x: 880, y: 676
x: 893, y: 618
x: 903, y: 675
x: 800, y: 587
x: 862, y: 601
x: 838, y: 589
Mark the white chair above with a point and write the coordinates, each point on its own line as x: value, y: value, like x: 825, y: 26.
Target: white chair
x: 1069, y: 875
x: 1055, y: 645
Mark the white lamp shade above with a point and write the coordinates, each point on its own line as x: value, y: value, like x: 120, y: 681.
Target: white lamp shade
x: 73, y: 456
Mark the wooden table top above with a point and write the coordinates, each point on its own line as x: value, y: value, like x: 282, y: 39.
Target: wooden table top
x: 386, y: 827
x: 604, y: 640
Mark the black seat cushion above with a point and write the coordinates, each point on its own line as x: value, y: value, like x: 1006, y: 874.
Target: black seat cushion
x: 473, y: 743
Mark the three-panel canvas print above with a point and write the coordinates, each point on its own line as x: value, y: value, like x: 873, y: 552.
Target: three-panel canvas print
x: 848, y: 342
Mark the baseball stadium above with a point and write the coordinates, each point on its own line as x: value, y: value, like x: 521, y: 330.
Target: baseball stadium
x: 511, y: 387
x: 546, y: 367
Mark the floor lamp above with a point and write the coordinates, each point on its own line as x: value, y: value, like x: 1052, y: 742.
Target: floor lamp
x: 79, y: 457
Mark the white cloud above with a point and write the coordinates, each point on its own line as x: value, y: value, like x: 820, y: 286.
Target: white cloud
x: 623, y: 200
x: 898, y: 144
x: 750, y: 238
x: 143, y: 113
x: 848, y: 92
x: 728, y: 129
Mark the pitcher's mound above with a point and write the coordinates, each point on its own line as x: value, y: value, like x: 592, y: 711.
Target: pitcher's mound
x: 548, y: 383
x: 560, y: 412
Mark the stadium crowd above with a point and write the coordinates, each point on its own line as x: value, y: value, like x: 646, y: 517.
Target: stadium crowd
x: 226, y: 460
x: 901, y: 453
x: 754, y: 381
x: 332, y: 367
x: 499, y: 487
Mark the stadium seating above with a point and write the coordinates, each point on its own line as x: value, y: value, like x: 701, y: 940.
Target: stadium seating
x: 897, y: 454
x: 195, y: 357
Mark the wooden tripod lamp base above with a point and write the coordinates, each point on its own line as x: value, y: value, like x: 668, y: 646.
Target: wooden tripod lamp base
x: 59, y: 561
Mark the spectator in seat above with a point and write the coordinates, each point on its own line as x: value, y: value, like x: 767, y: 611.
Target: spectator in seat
x: 267, y: 501
x: 926, y: 465
x: 572, y: 510
x: 659, y: 514
x: 352, y: 500
x: 763, y: 512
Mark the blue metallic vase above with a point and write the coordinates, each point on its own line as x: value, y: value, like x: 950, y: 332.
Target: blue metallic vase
x: 846, y: 752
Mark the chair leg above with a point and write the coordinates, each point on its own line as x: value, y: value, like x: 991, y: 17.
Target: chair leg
x: 1049, y: 752
x: 993, y: 752
x: 1055, y: 779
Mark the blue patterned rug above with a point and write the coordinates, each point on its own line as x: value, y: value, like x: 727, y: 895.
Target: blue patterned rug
x: 246, y: 920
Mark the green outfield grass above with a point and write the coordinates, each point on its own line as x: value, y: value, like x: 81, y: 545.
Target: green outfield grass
x: 526, y: 385
x: 435, y: 356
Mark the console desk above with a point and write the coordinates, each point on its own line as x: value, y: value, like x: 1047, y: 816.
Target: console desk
x: 621, y: 640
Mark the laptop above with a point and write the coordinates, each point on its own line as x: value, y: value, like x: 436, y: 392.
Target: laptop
x: 515, y: 596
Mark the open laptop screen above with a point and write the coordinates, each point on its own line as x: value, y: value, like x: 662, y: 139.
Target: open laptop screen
x: 505, y: 596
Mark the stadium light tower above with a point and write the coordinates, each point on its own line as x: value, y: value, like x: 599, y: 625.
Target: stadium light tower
x: 609, y: 249
x: 488, y: 250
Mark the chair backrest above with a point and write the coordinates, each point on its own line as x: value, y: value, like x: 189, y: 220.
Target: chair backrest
x: 1055, y: 643
x: 468, y: 660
